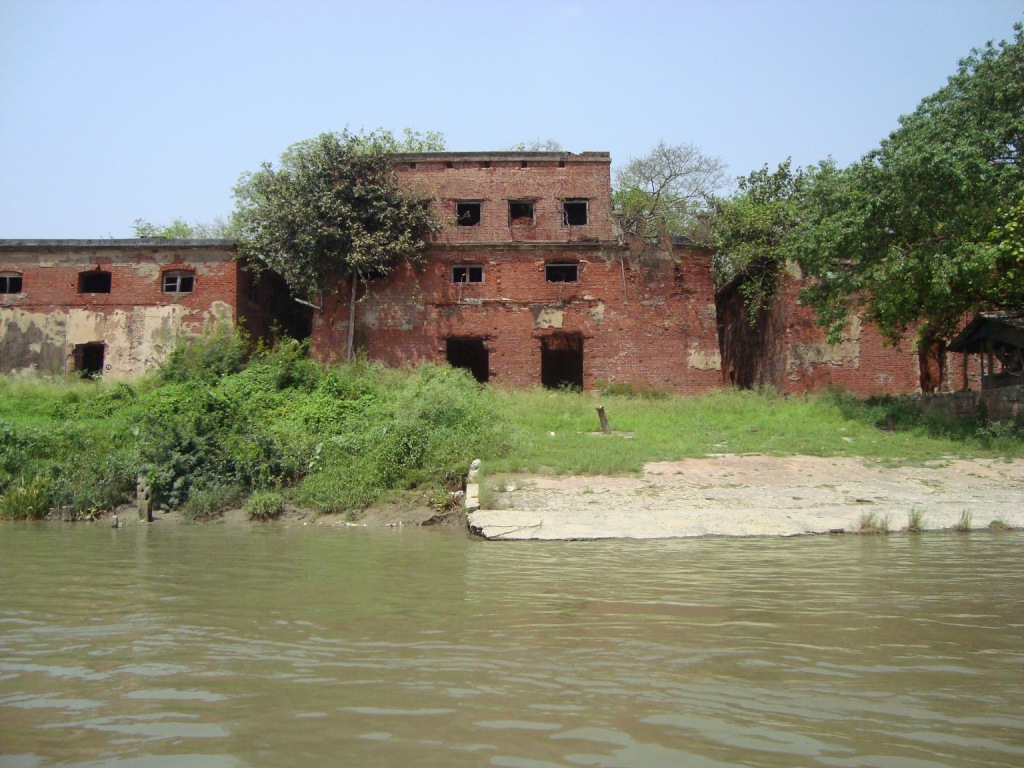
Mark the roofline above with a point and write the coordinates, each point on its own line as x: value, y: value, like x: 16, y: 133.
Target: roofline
x: 110, y: 242
x: 574, y: 157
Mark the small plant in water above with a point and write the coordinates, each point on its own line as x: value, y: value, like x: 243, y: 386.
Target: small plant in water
x: 963, y: 525
x: 264, y: 505
x: 873, y: 522
x: 915, y: 520
x: 999, y: 525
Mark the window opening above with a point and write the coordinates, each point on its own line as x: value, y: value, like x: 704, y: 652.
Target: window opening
x: 562, y: 273
x: 470, y: 354
x: 524, y: 164
x: 467, y: 273
x: 412, y: 166
x: 467, y: 214
x: 520, y: 212
x: 94, y: 281
x: 574, y: 212
x: 449, y: 164
x: 10, y: 283
x: 487, y: 164
x: 89, y: 359
x: 561, y: 361
x: 179, y: 282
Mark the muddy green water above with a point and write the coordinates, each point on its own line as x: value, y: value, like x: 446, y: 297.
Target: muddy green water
x: 214, y: 647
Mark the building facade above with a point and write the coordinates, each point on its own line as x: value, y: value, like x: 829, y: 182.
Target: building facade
x: 116, y: 307
x: 531, y: 283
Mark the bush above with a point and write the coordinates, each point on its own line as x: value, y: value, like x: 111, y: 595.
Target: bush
x: 264, y: 505
x: 207, y: 503
x: 217, y: 353
x: 25, y: 501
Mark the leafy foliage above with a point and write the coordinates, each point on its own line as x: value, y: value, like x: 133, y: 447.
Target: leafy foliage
x: 663, y: 193
x: 927, y: 227
x: 179, y: 229
x: 749, y: 231
x: 332, y: 211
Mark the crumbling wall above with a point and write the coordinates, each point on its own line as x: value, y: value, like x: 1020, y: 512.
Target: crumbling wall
x: 787, y: 350
x: 136, y: 323
x: 648, y: 322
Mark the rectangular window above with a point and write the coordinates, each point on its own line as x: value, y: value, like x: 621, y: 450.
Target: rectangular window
x: 10, y: 283
x: 574, y: 212
x: 94, y: 281
x: 562, y: 273
x: 179, y: 282
x: 467, y: 214
x: 520, y: 212
x: 467, y: 273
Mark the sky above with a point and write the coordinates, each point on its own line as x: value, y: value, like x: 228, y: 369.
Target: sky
x: 116, y: 111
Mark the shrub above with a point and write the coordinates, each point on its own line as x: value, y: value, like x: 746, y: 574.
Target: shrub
x: 207, y: 503
x: 211, y: 356
x: 264, y: 505
x: 25, y: 501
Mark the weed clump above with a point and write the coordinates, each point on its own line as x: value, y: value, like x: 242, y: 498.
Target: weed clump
x: 207, y: 503
x: 25, y: 500
x: 963, y: 525
x: 873, y: 523
x: 915, y: 521
x: 264, y: 505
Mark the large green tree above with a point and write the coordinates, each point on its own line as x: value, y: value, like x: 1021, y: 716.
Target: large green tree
x: 332, y: 213
x: 749, y: 231
x: 665, y: 192
x: 925, y: 228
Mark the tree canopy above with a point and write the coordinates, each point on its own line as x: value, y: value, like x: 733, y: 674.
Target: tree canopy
x: 927, y: 227
x: 179, y: 229
x: 332, y: 210
x: 663, y: 193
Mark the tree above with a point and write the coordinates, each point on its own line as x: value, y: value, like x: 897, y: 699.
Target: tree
x: 663, y: 193
x: 332, y: 212
x: 749, y: 230
x: 925, y: 228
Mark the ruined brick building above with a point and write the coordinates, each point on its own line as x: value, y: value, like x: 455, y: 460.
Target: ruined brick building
x: 530, y: 282
x: 116, y: 307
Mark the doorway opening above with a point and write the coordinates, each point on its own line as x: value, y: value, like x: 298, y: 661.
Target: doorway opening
x: 561, y: 361
x: 470, y: 353
x: 89, y: 359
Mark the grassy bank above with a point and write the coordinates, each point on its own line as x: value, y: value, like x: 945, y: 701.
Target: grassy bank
x: 215, y: 428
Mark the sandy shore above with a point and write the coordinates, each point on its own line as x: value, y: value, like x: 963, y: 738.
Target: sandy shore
x: 755, y: 496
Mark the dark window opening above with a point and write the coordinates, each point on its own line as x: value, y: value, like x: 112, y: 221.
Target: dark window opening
x: 561, y: 361
x: 520, y: 212
x: 89, y: 359
x: 179, y: 282
x: 10, y: 283
x: 561, y: 163
x: 95, y: 281
x: 412, y: 165
x: 562, y: 273
x: 524, y: 164
x: 449, y: 164
x: 467, y: 214
x: 487, y: 164
x: 574, y: 212
x: 467, y: 273
x: 470, y: 354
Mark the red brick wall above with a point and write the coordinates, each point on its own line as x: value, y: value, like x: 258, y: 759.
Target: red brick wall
x: 649, y: 323
x: 495, y: 178
x: 786, y: 350
x: 50, y: 279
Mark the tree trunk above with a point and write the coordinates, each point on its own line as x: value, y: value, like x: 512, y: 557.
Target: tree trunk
x: 352, y: 318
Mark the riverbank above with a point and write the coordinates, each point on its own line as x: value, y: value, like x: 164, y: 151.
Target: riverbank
x: 731, y: 495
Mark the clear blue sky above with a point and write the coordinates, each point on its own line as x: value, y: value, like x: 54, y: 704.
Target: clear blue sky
x: 112, y: 111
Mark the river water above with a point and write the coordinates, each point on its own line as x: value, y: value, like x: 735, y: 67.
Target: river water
x: 216, y: 646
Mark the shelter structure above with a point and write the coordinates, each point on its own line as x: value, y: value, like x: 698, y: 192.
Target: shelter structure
x: 998, y: 340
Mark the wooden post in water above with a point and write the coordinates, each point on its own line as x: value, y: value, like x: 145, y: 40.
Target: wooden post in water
x: 144, y: 497
x: 604, y: 420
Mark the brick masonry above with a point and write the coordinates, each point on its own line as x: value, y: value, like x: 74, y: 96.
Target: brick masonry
x: 44, y: 326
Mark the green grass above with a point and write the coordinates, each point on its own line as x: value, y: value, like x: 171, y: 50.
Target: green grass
x: 264, y: 505
x: 915, y: 520
x: 873, y: 522
x: 556, y: 431
x: 963, y: 525
x: 336, y: 439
